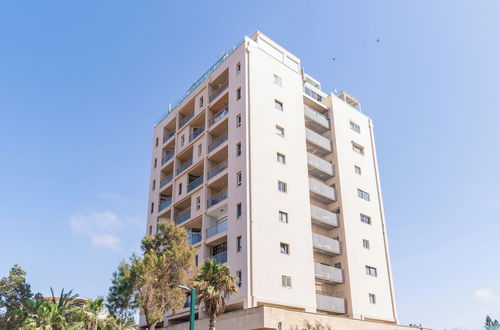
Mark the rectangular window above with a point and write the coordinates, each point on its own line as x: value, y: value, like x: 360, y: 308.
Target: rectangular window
x: 365, y: 219
x: 155, y: 163
x: 238, y: 149
x: 150, y: 230
x: 156, y: 143
x: 372, y: 271
x: 372, y: 299
x: 355, y: 127
x: 283, y: 216
x: 282, y: 186
x: 281, y: 158
x: 238, y: 120
x: 238, y: 68
x: 238, y: 93
x: 198, y: 202
x: 180, y: 188
x: 182, y: 140
x: 201, y: 101
x: 239, y: 179
x: 280, y: 130
x: 196, y: 260
x: 278, y: 105
x: 357, y: 148
x: 238, y: 278
x: 238, y: 210
x: 238, y: 244
x: 366, y: 244
x: 277, y: 80
x: 284, y: 248
x: 200, y: 149
x: 357, y: 169
x: 364, y: 195
x: 154, y: 184
x: 152, y: 207
x: 286, y: 281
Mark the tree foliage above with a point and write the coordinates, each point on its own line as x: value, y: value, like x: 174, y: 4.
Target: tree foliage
x: 490, y: 324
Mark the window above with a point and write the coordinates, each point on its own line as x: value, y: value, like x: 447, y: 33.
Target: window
x: 355, y: 127
x: 238, y: 93
x: 238, y: 120
x: 238, y: 278
x: 281, y: 158
x: 282, y: 186
x: 280, y: 130
x: 238, y: 68
x: 238, y: 179
x: 286, y: 281
x: 238, y: 149
x: 198, y: 202
x: 180, y: 188
x: 200, y: 149
x: 238, y: 244
x: 372, y: 271
x: 238, y: 210
x: 364, y: 195
x: 371, y: 298
x: 284, y: 248
x: 201, y: 101
x: 182, y: 140
x: 365, y: 219
x: 357, y: 148
x: 283, y: 216
x: 156, y: 143
x: 196, y: 260
x: 153, y: 185
x: 278, y: 105
x: 155, y: 163
x: 357, y: 169
x: 150, y: 230
x: 152, y: 207
x: 277, y: 80
x: 366, y: 244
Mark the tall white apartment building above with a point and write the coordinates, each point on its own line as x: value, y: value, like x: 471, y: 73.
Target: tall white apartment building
x: 279, y: 180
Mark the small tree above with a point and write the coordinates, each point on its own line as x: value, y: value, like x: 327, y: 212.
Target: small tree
x: 489, y: 324
x: 215, y: 284
x: 122, y: 300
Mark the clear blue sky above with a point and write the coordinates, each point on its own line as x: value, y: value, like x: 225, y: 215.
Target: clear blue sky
x: 82, y: 82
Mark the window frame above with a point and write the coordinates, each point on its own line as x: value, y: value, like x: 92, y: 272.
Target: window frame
x: 371, y: 271
x: 280, y: 131
x: 363, y: 195
x: 284, y: 185
x: 364, y: 216
x: 355, y: 127
x: 285, y: 248
x: 278, y: 105
x: 283, y: 216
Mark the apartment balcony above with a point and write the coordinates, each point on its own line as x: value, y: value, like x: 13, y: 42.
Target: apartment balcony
x: 218, y: 91
x: 330, y: 304
x: 218, y: 228
x: 321, y: 191
x: 319, y: 167
x: 220, y: 258
x: 217, y: 169
x: 317, y: 143
x: 186, y: 119
x: 315, y: 120
x: 168, y: 156
x: 328, y: 273
x: 168, y: 135
x: 166, y: 180
x: 217, y: 143
x: 324, y: 218
x: 183, y: 216
x: 196, y: 133
x: 194, y: 238
x: 217, y: 198
x: 195, y: 183
x: 326, y: 245
x: 314, y: 92
x: 218, y: 117
x: 165, y: 203
x: 184, y: 166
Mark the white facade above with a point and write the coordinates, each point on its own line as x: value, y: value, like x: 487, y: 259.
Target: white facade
x: 258, y: 164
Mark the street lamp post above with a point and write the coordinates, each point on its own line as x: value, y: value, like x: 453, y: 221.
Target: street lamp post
x: 192, y: 293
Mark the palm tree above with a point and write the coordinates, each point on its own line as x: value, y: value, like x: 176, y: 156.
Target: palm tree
x: 215, y: 284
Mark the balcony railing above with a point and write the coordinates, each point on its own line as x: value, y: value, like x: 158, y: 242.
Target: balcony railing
x: 328, y: 273
x: 319, y: 167
x: 326, y: 244
x: 218, y: 91
x: 217, y: 198
x: 325, y: 302
x: 166, y: 180
x: 324, y: 218
x: 321, y: 191
x: 194, y: 238
x: 168, y: 156
x: 195, y: 183
x: 218, y: 228
x: 186, y: 119
x: 217, y: 143
x: 217, y: 169
x: 196, y: 133
x: 322, y: 145
x: 183, y: 216
x: 221, y: 114
x: 184, y: 165
x: 317, y: 118
x: 220, y: 258
x: 165, y: 203
x: 168, y: 135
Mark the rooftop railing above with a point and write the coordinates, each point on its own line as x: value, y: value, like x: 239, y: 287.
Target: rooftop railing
x: 217, y: 143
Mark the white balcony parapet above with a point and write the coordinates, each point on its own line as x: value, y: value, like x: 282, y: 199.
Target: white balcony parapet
x: 321, y: 191
x: 322, y: 144
x: 328, y: 273
x: 326, y: 244
x: 317, y: 118
x: 324, y: 218
x: 319, y: 167
x: 330, y: 304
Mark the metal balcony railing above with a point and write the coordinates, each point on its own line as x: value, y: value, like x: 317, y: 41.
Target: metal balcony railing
x: 196, y: 133
x: 217, y: 198
x: 218, y: 91
x: 217, y: 143
x: 183, y: 216
x: 194, y: 238
x: 218, y: 228
x: 168, y: 135
x: 328, y: 273
x: 186, y: 119
x: 220, y: 258
x: 165, y: 203
x: 168, y: 156
x: 184, y: 165
x: 217, y: 169
x: 166, y: 180
x: 218, y: 116
x: 195, y: 183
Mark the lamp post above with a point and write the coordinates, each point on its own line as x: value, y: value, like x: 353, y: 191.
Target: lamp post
x: 192, y: 293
